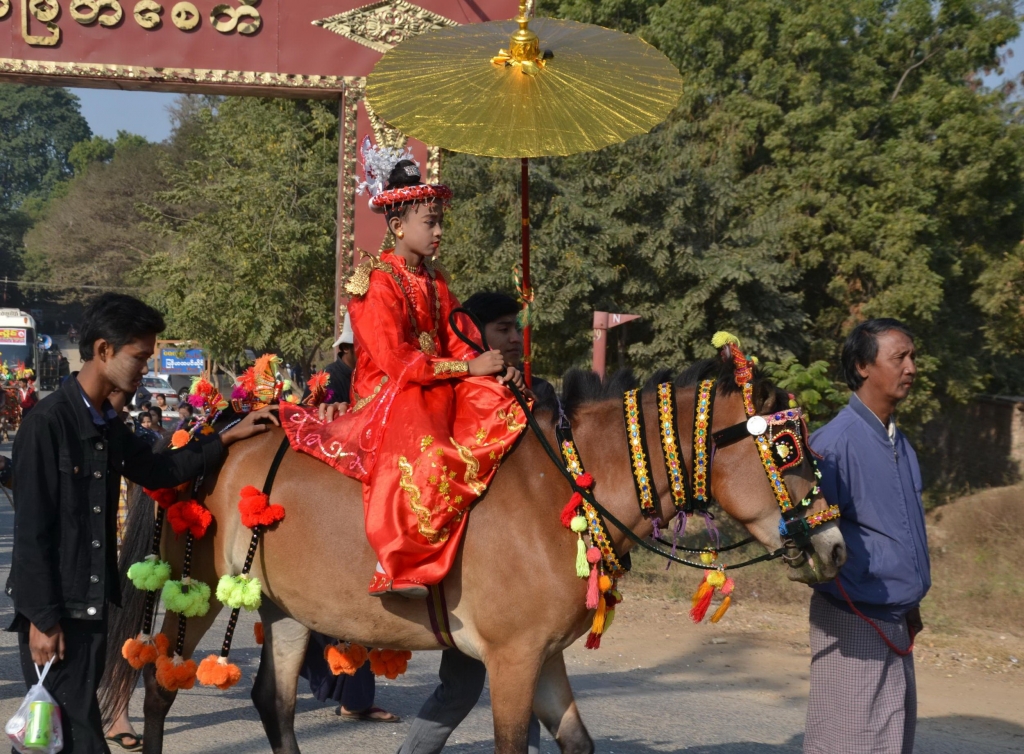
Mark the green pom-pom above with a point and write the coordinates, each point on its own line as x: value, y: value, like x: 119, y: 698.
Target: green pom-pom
x: 582, y: 566
x: 578, y: 524
x: 240, y: 591
x: 192, y: 604
x: 723, y: 338
x: 149, y: 575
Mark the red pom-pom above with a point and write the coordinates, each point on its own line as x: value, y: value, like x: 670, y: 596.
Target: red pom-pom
x: 165, y: 498
x: 585, y: 480
x: 569, y: 511
x: 189, y: 516
x: 257, y: 632
x: 255, y: 509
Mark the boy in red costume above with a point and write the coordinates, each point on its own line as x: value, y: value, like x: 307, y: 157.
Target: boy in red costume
x: 430, y: 418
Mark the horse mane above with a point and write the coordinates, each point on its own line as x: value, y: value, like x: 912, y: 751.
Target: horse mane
x: 581, y: 387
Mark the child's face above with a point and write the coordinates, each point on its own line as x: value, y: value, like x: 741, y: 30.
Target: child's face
x: 147, y: 421
x: 161, y: 401
x: 421, y: 228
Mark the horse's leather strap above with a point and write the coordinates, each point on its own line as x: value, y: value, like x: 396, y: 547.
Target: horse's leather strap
x: 437, y: 609
x: 268, y: 485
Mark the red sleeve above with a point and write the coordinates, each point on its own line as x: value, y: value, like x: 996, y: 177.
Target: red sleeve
x: 380, y: 324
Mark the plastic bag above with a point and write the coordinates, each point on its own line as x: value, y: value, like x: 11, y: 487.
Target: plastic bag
x: 36, y: 726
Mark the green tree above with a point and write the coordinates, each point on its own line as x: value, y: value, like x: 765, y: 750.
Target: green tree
x: 38, y: 128
x: 249, y: 218
x: 829, y: 161
x: 92, y: 231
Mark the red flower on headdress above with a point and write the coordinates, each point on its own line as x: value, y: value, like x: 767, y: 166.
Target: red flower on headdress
x: 255, y: 508
x: 189, y: 516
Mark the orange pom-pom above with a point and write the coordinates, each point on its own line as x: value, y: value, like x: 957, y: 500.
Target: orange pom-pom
x: 217, y: 671
x: 346, y: 661
x: 189, y: 516
x: 604, y: 584
x: 257, y: 631
x: 174, y: 673
x: 389, y: 663
x: 256, y: 510
x: 180, y: 439
x: 140, y: 652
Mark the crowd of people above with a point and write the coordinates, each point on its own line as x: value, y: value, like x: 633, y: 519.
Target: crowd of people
x: 398, y: 352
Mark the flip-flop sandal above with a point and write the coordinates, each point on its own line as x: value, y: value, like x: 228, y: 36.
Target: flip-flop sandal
x: 367, y: 716
x: 119, y: 740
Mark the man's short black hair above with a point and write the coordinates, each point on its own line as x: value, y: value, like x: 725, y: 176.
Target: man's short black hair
x: 861, y: 347
x: 117, y: 319
x: 487, y: 306
x: 187, y: 406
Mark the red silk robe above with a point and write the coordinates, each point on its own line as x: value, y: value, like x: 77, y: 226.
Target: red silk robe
x: 423, y: 436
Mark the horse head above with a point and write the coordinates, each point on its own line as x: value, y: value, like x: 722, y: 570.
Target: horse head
x: 759, y: 466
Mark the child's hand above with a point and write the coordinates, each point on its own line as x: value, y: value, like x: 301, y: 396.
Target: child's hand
x: 489, y: 362
x: 329, y: 411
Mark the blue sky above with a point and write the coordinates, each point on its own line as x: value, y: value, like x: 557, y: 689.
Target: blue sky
x: 145, y: 113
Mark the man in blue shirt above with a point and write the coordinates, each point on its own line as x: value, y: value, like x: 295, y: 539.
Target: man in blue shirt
x: 863, y: 695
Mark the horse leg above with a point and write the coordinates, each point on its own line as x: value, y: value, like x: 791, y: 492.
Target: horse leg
x: 273, y: 692
x: 513, y: 673
x: 158, y: 699
x: 554, y: 704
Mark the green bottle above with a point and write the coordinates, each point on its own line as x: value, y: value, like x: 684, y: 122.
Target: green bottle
x: 37, y: 731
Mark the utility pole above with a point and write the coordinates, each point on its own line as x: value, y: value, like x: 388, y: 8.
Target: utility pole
x: 603, y: 322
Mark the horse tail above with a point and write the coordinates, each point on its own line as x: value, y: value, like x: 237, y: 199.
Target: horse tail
x: 125, y: 622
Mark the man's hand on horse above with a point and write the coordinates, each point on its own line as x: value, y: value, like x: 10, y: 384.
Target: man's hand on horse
x: 331, y: 411
x: 255, y: 423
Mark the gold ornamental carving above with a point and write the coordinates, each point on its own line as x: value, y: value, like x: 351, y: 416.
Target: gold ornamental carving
x: 382, y: 25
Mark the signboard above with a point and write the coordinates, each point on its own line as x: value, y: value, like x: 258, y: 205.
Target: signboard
x: 13, y: 336
x: 190, y: 361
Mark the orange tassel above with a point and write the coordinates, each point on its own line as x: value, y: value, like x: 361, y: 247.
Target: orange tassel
x: 346, y: 661
x: 721, y: 609
x: 217, y: 671
x: 389, y: 663
x: 174, y: 673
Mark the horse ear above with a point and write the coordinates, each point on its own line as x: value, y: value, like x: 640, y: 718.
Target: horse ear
x: 726, y: 353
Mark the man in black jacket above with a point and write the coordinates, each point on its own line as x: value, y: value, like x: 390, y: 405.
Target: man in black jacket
x: 69, y: 455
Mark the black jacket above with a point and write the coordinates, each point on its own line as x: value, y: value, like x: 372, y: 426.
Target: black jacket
x: 67, y: 475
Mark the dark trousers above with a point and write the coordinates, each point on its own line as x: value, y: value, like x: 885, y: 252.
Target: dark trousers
x: 353, y: 692
x: 73, y: 682
x: 462, y: 682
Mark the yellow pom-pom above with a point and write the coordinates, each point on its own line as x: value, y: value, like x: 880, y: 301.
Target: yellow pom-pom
x: 604, y: 584
x: 578, y: 524
x: 723, y: 338
x: 716, y: 579
x: 707, y: 557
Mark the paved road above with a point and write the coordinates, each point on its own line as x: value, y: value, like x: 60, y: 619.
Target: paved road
x: 656, y: 686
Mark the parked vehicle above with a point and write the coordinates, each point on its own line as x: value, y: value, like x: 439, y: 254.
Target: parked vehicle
x: 159, y: 385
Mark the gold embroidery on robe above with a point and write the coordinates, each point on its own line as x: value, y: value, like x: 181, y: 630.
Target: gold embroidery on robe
x: 422, y: 512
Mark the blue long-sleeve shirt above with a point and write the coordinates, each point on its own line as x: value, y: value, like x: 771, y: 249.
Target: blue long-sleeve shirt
x: 876, y: 482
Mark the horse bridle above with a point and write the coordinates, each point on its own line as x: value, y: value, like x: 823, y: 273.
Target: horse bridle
x: 801, y: 534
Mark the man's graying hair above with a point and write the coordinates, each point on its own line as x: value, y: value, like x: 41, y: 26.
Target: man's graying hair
x: 861, y: 347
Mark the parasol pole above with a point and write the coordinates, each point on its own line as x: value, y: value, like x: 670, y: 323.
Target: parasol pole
x: 527, y: 292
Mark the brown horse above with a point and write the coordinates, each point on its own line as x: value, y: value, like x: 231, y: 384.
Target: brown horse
x: 513, y: 595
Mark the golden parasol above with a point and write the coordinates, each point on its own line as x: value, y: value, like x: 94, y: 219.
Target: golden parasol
x: 559, y: 88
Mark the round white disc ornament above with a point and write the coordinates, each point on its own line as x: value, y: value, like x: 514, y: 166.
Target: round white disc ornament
x: 757, y: 425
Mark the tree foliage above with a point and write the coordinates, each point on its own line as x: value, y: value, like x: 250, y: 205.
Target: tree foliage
x: 92, y: 232
x: 38, y: 128
x: 830, y: 161
x: 249, y: 220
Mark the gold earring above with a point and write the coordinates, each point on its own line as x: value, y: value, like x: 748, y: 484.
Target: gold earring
x: 399, y: 234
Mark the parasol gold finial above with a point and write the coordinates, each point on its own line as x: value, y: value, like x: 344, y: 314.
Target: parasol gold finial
x: 524, y: 45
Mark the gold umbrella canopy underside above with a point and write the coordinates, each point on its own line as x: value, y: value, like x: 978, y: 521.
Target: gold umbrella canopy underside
x: 600, y: 88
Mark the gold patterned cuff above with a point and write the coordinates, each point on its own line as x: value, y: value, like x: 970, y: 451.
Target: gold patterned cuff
x: 450, y: 368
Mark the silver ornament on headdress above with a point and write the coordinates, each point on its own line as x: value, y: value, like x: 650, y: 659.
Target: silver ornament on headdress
x: 378, y: 162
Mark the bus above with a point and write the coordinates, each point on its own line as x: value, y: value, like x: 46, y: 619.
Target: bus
x: 17, y: 339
